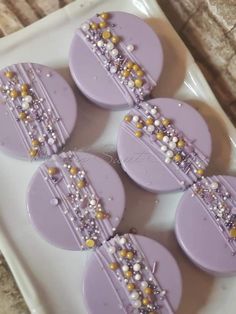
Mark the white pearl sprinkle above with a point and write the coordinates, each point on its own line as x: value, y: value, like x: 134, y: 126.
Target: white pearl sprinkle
x: 28, y: 98
x: 169, y: 154
x: 113, y: 69
x: 112, y: 249
x: 157, y: 122
x: 167, y: 160
x: 214, y: 185
x: 41, y: 139
x: 134, y: 295
x: 151, y: 128
x: 153, y: 111
x: 85, y: 26
x: 92, y: 202
x: 130, y: 48
x: 110, y: 46
x: 25, y: 105
x: 122, y: 240
x: 137, y: 277
x: 131, y: 83
x: 54, y: 201
x: 136, y: 267
x: 175, y: 139
x: 172, y: 145
x: 165, y: 139
x: 114, y: 52
x: 100, y: 43
x: 135, y: 118
x: 144, y: 284
x: 125, y: 268
x: 163, y: 148
x: 51, y: 141
x: 137, y: 304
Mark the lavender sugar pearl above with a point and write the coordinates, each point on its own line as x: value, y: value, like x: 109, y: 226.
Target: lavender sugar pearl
x: 111, y: 60
x: 76, y: 200
x: 38, y: 111
x: 164, y: 145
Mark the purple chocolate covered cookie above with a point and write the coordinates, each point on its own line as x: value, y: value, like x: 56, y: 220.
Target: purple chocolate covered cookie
x: 38, y: 111
x: 206, y: 224
x: 132, y: 274
x: 164, y: 145
x: 76, y: 200
x: 115, y: 59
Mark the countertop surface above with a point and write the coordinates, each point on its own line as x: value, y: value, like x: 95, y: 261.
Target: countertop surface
x: 208, y: 28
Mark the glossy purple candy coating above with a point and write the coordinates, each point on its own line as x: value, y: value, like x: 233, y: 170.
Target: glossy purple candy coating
x: 200, y: 238
x: 102, y: 297
x: 53, y: 89
x: 142, y: 165
x: 45, y: 211
x: 90, y: 75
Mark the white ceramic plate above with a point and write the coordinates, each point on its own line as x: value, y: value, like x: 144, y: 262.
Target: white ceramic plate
x: 51, y: 279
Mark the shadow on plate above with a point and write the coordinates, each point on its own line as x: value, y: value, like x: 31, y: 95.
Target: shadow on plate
x: 197, y: 285
x: 175, y: 59
x: 91, y: 119
x: 221, y: 146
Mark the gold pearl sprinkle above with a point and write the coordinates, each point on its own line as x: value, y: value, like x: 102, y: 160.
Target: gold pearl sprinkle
x: 104, y: 15
x: 24, y: 87
x: 181, y: 143
x: 130, y: 255
x: 139, y: 125
x: 135, y: 67
x: 160, y: 136
x: 100, y: 215
x: 128, y: 274
x: 115, y: 39
x: 90, y: 243
x: 113, y: 266
x: 125, y: 73
x: 106, y: 35
x: 140, y: 73
x: 74, y: 170
x: 148, y: 291
x: 52, y: 171
x: 13, y: 93
x: 123, y: 253
x: 103, y: 24
x: 130, y: 286
x: 81, y: 184
x: 138, y: 83
x: 22, y: 116
x: 177, y: 158
x: 128, y: 118
x: 94, y: 26
x: 24, y: 93
x: 129, y: 64
x: 200, y: 172
x: 232, y: 233
x: 33, y: 152
x: 149, y: 121
x: 138, y: 133
x: 165, y: 122
x: 145, y: 301
x: 9, y: 74
x: 35, y: 143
